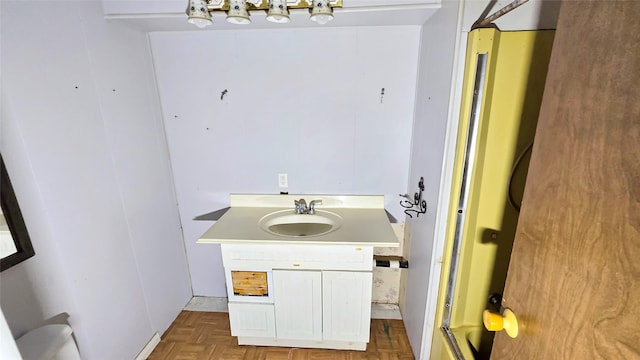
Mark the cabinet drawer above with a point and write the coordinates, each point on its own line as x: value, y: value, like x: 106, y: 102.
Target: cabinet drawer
x: 255, y: 320
x: 317, y: 257
x: 235, y: 292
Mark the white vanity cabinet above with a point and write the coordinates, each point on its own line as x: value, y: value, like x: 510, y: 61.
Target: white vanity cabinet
x: 319, y: 295
x: 301, y: 279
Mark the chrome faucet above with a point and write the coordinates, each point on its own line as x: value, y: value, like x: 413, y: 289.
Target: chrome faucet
x: 312, y: 206
x: 301, y: 206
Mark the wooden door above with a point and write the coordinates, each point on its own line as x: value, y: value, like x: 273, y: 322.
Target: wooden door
x: 346, y: 305
x: 298, y: 304
x: 574, y: 276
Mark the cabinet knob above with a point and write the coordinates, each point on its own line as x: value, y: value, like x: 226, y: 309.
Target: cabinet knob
x: 496, y: 322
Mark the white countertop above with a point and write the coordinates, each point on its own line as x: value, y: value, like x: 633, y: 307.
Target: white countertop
x: 364, y: 221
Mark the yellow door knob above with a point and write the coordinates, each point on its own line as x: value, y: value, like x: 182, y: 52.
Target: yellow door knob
x: 496, y: 322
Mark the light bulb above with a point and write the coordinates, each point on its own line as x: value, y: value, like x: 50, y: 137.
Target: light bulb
x: 238, y: 20
x: 278, y: 19
x: 321, y: 18
x: 200, y: 23
x: 198, y: 14
x: 238, y: 13
x: 278, y: 11
x: 321, y: 13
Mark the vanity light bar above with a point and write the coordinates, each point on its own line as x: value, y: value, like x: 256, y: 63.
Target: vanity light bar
x: 224, y: 5
x: 238, y: 11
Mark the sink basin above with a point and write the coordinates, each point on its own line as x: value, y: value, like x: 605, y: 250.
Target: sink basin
x: 288, y: 223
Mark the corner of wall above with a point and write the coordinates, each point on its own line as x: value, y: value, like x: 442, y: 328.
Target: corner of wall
x: 403, y: 277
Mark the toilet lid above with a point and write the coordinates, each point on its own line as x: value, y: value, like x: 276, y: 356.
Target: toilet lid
x: 43, y: 342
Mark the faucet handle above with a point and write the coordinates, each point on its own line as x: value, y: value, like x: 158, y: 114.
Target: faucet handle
x: 301, y: 206
x: 312, y: 204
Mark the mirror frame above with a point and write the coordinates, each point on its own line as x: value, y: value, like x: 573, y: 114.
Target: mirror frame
x: 15, y: 222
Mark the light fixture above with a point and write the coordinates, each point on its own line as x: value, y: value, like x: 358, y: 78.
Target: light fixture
x: 238, y: 13
x: 278, y: 11
x: 321, y: 12
x: 199, y: 12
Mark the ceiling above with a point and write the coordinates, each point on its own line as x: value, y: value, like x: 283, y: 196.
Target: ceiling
x: 169, y: 15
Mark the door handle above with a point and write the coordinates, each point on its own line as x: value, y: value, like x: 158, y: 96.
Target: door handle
x: 496, y: 322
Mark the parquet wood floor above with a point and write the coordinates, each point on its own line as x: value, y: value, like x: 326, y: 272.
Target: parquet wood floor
x: 196, y: 335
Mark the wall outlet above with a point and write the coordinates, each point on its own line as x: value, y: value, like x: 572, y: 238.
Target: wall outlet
x: 283, y: 181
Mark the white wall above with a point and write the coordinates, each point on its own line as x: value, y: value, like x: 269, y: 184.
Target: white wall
x: 306, y: 102
x: 433, y: 106
x: 84, y: 146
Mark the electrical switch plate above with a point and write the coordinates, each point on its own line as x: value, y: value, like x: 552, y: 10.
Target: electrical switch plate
x: 283, y: 181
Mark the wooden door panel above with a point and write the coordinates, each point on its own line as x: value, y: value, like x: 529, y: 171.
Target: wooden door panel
x: 574, y: 275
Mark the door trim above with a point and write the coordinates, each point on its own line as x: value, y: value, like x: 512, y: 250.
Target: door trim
x: 444, y: 194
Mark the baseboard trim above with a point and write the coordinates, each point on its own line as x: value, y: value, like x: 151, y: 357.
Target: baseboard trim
x: 148, y: 349
x: 331, y: 344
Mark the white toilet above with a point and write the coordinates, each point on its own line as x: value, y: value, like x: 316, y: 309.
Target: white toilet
x: 48, y: 342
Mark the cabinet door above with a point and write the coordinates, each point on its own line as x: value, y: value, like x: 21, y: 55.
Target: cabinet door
x: 346, y: 305
x: 255, y: 320
x: 297, y: 300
